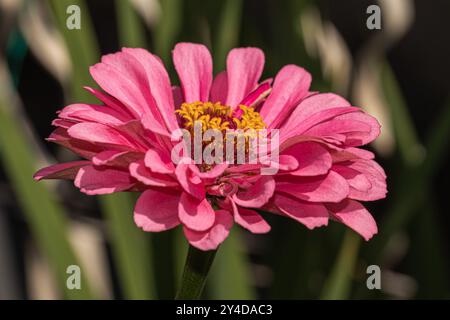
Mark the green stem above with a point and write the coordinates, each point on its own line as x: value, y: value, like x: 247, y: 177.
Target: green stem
x: 195, y: 272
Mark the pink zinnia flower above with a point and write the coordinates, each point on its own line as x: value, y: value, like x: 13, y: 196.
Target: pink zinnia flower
x: 126, y: 143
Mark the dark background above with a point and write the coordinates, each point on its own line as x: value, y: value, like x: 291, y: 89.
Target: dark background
x: 290, y: 262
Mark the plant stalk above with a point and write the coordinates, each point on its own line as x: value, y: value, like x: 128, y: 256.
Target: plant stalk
x: 196, y: 268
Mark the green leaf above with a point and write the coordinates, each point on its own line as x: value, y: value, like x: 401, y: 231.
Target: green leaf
x: 228, y: 32
x: 405, y: 132
x: 414, y: 181
x: 131, y: 252
x: 338, y: 284
x: 130, y: 27
x: 40, y: 205
x: 168, y: 28
x: 131, y: 247
x: 81, y: 44
x: 230, y: 275
x: 428, y: 242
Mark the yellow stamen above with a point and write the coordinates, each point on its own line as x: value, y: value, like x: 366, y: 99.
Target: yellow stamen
x: 220, y: 117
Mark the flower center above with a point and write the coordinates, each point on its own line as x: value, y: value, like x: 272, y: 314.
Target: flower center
x: 219, y: 117
x: 238, y: 130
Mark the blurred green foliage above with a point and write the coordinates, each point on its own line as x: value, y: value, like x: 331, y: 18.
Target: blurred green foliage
x: 303, y: 264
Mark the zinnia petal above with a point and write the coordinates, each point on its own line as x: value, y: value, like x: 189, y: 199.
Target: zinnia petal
x: 158, y: 83
x: 310, y: 214
x: 114, y: 158
x: 193, y: 63
x: 258, y: 194
x: 329, y: 188
x: 110, y: 102
x: 354, y: 215
x: 122, y: 83
x: 219, y: 88
x: 291, y: 85
x: 159, y: 162
x: 61, y: 171
x: 140, y: 172
x: 157, y: 211
x: 212, y: 238
x: 249, y: 219
x: 93, y: 113
x: 244, y: 68
x: 195, y: 214
x: 82, y: 148
x: 100, y: 134
x: 186, y: 178
x: 93, y: 181
x: 316, y: 103
x: 366, y: 178
x: 313, y: 159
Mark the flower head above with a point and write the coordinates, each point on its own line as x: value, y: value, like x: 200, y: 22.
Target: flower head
x: 128, y: 145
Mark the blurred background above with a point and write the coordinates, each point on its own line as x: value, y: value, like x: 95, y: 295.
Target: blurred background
x: 400, y: 74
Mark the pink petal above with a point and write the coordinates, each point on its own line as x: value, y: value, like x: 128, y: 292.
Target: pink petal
x: 352, y: 154
x: 125, y: 84
x: 354, y: 215
x: 313, y: 159
x: 353, y: 131
x: 193, y: 63
x: 93, y: 181
x: 61, y: 171
x: 93, y: 113
x: 66, y: 124
x: 361, y: 153
x: 310, y: 214
x: 244, y: 68
x: 329, y: 188
x: 158, y: 83
x: 330, y: 112
x: 211, y: 174
x: 317, y: 118
x: 335, y: 126
x: 290, y: 87
x: 120, y: 159
x: 250, y: 220
x: 139, y: 171
x: 257, y: 95
x: 254, y: 98
x: 159, y: 162
x: 99, y: 134
x: 366, y: 178
x: 178, y: 98
x: 355, y: 179
x: 138, y: 79
x: 244, y: 168
x: 219, y: 88
x: 111, y: 102
x: 82, y: 148
x: 212, y: 238
x: 287, y: 162
x: 316, y: 103
x: 257, y: 195
x: 371, y: 131
x: 195, y: 214
x: 157, y: 211
x: 150, y: 123
x: 186, y: 179
x: 136, y: 133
